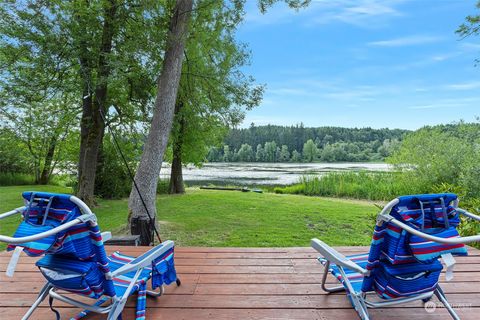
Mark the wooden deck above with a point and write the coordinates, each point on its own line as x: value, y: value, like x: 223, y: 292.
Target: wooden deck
x: 252, y: 283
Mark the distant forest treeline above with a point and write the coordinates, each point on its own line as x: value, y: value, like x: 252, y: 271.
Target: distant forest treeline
x: 301, y: 144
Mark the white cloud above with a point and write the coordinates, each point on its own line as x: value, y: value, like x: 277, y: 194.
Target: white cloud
x: 364, y: 13
x: 420, y: 89
x: 288, y: 91
x: 259, y: 120
x: 427, y: 106
x: 406, y: 41
x: 464, y: 85
x: 437, y: 106
x: 440, y: 58
x: 448, y: 103
x: 469, y: 46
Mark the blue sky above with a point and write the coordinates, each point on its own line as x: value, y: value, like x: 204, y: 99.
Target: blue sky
x: 359, y: 63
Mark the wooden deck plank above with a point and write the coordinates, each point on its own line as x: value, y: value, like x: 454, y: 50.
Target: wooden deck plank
x: 234, y: 314
x: 246, y: 283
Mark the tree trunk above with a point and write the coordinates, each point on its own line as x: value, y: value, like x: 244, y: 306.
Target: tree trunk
x: 45, y: 175
x: 98, y: 173
x: 148, y: 170
x: 92, y: 124
x: 92, y: 130
x: 176, y: 177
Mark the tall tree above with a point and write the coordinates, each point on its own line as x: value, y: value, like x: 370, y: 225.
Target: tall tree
x: 42, y: 128
x: 284, y: 154
x: 148, y: 170
x: 94, y: 98
x: 310, y: 151
x: 32, y: 54
x: 214, y: 92
x: 260, y: 154
x: 119, y: 50
x: 105, y: 53
x: 150, y: 163
x: 271, y: 151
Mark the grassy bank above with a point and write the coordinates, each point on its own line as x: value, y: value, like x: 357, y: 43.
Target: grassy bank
x: 16, y: 179
x: 358, y: 185
x: 228, y: 218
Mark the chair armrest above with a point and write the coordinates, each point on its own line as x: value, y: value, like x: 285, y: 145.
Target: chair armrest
x: 468, y: 214
x: 82, y: 219
x: 336, y: 257
x: 145, y: 259
x: 429, y: 237
x: 12, y: 212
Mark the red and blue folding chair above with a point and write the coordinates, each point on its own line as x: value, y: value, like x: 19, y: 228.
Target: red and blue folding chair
x: 63, y: 230
x: 411, y: 235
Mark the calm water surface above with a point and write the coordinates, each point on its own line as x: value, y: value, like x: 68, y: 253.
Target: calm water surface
x: 264, y: 173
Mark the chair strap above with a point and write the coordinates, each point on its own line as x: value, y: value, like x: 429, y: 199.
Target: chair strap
x: 27, y: 213
x: 141, y: 302
x: 49, y: 204
x: 444, y: 212
x: 50, y: 303
x: 432, y: 213
x: 423, y: 214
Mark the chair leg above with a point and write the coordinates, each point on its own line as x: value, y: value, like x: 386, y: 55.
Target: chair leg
x: 358, y: 301
x: 116, y: 311
x: 41, y: 296
x: 441, y: 296
x: 357, y: 298
x: 324, y: 280
x: 151, y: 293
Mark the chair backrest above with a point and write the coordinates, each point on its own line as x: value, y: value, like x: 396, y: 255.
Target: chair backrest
x: 79, y: 246
x: 391, y: 245
x: 43, y: 212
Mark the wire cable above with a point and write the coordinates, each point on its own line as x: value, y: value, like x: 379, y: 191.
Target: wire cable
x: 132, y: 177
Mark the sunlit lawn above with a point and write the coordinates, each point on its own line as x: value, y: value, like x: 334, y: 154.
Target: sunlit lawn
x: 230, y: 218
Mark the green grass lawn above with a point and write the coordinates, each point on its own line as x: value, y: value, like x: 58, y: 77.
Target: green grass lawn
x: 228, y: 218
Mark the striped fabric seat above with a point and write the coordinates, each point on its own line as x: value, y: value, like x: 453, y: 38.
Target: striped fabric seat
x: 117, y: 260
x: 355, y: 278
x: 121, y: 283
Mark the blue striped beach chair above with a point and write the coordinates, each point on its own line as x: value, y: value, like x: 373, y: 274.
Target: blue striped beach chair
x: 412, y: 233
x: 63, y: 231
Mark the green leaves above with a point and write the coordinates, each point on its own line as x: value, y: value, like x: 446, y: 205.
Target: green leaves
x: 471, y: 26
x: 214, y: 92
x: 263, y: 5
x: 310, y: 151
x: 440, y: 156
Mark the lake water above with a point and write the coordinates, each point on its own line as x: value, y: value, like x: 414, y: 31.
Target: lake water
x: 243, y: 173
